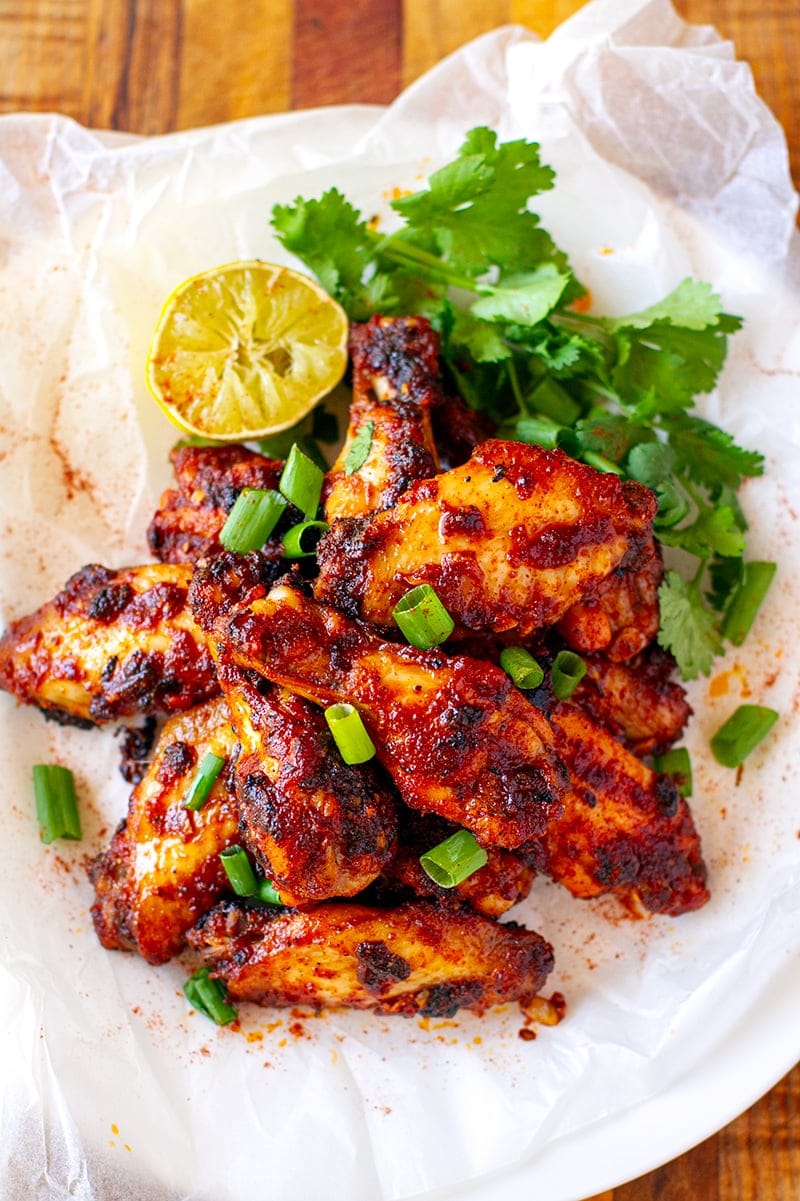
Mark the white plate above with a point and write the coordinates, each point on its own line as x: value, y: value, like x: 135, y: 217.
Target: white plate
x: 673, y: 1025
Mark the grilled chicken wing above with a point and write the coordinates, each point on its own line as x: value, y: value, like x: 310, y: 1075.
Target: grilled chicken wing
x: 509, y: 541
x: 620, y: 616
x: 111, y: 644
x: 455, y: 734
x: 637, y: 701
x: 395, y: 383
x: 503, y: 881
x: 189, y: 518
x: 416, y: 959
x: 162, y: 869
x: 318, y: 827
x: 624, y: 829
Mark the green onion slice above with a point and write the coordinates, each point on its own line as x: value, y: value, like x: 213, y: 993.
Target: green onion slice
x: 360, y: 447
x: 349, y: 734
x: 252, y: 519
x: 601, y: 463
x: 521, y: 666
x: 210, y: 767
x: 756, y: 579
x: 208, y: 997
x: 300, y: 542
x: 56, y: 803
x: 239, y: 871
x: 423, y: 618
x: 742, y: 733
x: 677, y: 763
x: 453, y: 860
x: 301, y: 482
x: 566, y: 674
x: 268, y: 893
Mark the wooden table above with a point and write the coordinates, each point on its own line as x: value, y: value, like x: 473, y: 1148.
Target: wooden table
x: 154, y: 65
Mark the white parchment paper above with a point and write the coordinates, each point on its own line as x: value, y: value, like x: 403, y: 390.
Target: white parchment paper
x: 668, y: 165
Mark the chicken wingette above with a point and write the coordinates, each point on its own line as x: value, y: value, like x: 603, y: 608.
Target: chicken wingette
x: 395, y: 385
x: 111, y: 644
x: 509, y: 541
x: 416, y: 959
x: 624, y: 828
x: 162, y: 869
x: 209, y: 479
x: 454, y: 733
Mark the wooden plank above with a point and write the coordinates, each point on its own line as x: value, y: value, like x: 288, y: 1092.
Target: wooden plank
x: 346, y: 52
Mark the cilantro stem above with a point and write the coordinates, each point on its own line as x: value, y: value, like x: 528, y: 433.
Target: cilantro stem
x: 513, y: 378
x: 405, y: 253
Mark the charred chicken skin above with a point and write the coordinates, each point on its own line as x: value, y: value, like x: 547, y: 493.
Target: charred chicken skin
x: 395, y: 385
x: 624, y: 828
x: 415, y: 959
x: 162, y: 870
x: 209, y: 479
x: 509, y: 541
x: 111, y: 644
x: 455, y: 734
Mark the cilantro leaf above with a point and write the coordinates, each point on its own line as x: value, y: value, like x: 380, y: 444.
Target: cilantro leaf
x: 688, y: 629
x: 523, y: 299
x: 358, y: 451
x: 709, y: 455
x: 692, y: 304
x: 713, y: 532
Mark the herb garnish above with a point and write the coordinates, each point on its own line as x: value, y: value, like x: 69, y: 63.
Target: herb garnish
x: 615, y: 392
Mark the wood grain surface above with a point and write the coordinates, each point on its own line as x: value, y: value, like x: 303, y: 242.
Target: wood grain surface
x: 150, y: 66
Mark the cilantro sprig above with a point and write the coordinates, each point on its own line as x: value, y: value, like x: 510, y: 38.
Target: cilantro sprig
x: 615, y: 392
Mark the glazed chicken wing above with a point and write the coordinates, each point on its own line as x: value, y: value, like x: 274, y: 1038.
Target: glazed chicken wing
x: 162, y: 869
x: 638, y: 702
x: 189, y: 518
x: 111, y: 644
x: 416, y: 959
x: 509, y: 541
x: 624, y: 829
x: 454, y: 733
x: 395, y: 384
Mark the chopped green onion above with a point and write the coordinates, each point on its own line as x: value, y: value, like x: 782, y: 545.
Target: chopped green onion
x: 56, y: 803
x: 208, y: 997
x: 742, y: 733
x: 521, y: 666
x: 239, y: 871
x: 453, y: 860
x: 541, y: 431
x: 349, y: 734
x: 300, y: 542
x: 553, y: 401
x: 268, y: 893
x: 324, y: 426
x: 310, y: 449
x: 423, y: 618
x: 301, y: 482
x: 756, y: 579
x: 601, y: 463
x: 359, y: 450
x: 203, y: 782
x: 676, y: 763
x: 252, y: 519
x: 566, y: 674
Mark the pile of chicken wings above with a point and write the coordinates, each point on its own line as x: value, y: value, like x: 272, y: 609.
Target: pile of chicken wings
x: 240, y: 654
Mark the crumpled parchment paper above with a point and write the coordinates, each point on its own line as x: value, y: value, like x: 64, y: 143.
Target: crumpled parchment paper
x: 668, y: 165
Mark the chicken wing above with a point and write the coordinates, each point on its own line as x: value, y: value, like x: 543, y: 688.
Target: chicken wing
x: 509, y: 541
x: 638, y: 701
x: 111, y: 644
x: 624, y: 829
x: 189, y: 518
x: 416, y: 959
x: 318, y: 827
x: 395, y: 383
x: 454, y: 733
x: 162, y: 869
